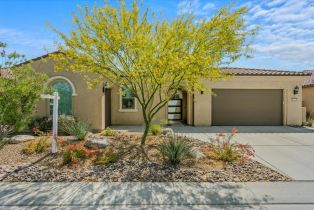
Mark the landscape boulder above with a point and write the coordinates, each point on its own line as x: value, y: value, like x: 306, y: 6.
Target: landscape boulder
x: 21, y: 138
x: 97, y: 143
x: 167, y: 132
x: 197, y: 154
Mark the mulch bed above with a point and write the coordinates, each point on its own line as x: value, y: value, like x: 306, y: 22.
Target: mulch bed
x: 18, y: 167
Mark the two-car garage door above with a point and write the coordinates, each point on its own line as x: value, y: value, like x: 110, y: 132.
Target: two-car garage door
x: 247, y: 107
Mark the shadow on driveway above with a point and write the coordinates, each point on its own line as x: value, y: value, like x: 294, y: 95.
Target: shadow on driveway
x: 180, y: 128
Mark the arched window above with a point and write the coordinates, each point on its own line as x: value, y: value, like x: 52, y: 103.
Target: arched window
x: 65, y: 93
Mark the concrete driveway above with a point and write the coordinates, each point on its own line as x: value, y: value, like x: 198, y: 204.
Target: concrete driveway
x: 288, y: 150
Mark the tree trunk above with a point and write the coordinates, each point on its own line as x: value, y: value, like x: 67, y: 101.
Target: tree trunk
x: 147, y: 125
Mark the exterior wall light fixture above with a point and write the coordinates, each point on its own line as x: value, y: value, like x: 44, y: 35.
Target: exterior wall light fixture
x: 296, y: 90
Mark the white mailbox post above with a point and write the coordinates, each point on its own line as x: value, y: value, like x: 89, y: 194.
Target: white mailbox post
x: 55, y: 98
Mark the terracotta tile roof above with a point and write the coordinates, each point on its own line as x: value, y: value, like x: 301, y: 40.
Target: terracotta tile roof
x: 263, y: 72
x: 310, y: 81
x: 5, y: 73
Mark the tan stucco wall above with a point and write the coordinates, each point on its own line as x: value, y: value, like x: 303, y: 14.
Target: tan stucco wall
x: 308, y: 99
x: 122, y: 117
x: 86, y: 105
x: 292, y: 104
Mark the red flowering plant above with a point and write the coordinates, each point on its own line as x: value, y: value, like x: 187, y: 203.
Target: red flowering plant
x: 229, y: 151
x: 75, y: 153
x: 61, y: 141
x: 37, y: 132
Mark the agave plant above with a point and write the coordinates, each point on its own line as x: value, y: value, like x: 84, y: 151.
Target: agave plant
x: 175, y: 149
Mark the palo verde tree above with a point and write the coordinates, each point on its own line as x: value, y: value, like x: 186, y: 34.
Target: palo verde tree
x: 151, y: 58
x: 20, y: 88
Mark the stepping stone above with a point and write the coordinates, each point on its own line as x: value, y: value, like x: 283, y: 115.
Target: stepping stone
x: 21, y: 138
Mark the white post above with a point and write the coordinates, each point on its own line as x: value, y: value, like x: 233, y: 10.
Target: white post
x: 54, y: 123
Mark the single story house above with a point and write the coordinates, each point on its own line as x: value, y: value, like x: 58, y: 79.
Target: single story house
x: 250, y: 97
x: 308, y: 94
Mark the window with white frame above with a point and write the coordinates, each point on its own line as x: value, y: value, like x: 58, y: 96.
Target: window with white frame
x: 127, y: 100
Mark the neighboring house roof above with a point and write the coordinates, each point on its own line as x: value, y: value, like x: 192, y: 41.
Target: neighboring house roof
x: 263, y: 72
x: 310, y: 81
x: 5, y: 73
x: 38, y: 58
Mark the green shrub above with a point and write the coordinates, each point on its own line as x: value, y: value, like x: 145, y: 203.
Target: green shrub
x: 108, y: 132
x: 74, y: 153
x: 228, y: 151
x: 20, y: 89
x: 45, y: 123
x: 155, y: 129
x: 42, y: 123
x: 5, y: 131
x: 309, y: 122
x: 36, y: 146
x: 106, y: 157
x: 175, y: 149
x: 65, y: 120
x: 79, y: 129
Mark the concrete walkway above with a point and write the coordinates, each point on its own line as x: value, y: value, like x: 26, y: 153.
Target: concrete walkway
x: 288, y: 150
x: 292, y: 195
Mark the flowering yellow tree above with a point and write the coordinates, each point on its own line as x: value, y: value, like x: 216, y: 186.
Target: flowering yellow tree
x: 151, y: 58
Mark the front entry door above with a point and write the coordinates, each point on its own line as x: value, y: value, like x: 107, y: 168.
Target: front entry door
x: 175, y: 110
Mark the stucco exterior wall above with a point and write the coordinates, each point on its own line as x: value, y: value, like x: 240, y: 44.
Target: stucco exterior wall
x: 124, y: 117
x: 292, y: 104
x: 88, y: 105
x: 308, y: 99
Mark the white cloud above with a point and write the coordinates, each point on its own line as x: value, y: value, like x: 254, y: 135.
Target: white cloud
x: 275, y: 3
x: 208, y: 6
x: 195, y: 7
x: 27, y: 43
x: 286, y: 30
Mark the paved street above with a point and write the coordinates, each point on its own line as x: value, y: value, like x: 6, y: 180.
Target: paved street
x: 293, y: 195
x: 286, y: 149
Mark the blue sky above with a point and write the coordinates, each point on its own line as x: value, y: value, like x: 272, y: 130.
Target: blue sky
x: 285, y: 40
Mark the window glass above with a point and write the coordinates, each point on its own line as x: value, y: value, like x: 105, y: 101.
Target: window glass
x: 128, y: 100
x: 65, y: 93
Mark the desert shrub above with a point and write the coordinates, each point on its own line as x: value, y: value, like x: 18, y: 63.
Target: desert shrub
x: 36, y: 146
x: 175, y: 149
x: 41, y: 123
x: 155, y: 129
x: 77, y: 128
x: 230, y: 151
x: 65, y: 120
x: 44, y: 124
x: 20, y: 89
x: 5, y: 131
x: 106, y: 157
x: 38, y: 132
x: 309, y: 122
x: 74, y: 153
x: 108, y: 132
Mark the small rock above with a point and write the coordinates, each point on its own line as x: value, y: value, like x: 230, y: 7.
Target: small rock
x: 21, y: 138
x: 196, y: 153
x: 167, y: 132
x: 88, y: 136
x: 100, y: 143
x: 72, y: 138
